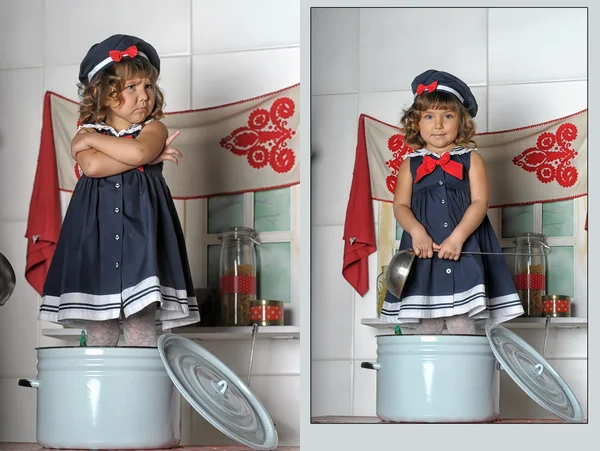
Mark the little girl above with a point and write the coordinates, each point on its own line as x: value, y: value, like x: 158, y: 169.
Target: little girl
x: 121, y: 252
x: 441, y: 202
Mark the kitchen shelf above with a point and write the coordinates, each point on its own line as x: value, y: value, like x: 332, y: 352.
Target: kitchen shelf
x: 205, y: 333
x: 517, y: 323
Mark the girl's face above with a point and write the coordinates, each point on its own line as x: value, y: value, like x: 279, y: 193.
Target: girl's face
x: 439, y: 129
x: 138, y: 99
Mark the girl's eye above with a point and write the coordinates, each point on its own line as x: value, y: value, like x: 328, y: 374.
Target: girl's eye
x: 149, y: 86
x: 427, y: 116
x: 449, y: 116
x: 131, y: 87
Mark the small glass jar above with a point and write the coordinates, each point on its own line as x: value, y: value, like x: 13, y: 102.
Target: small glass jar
x: 266, y: 312
x: 530, y: 272
x: 556, y: 305
x: 381, y: 289
x: 237, y: 275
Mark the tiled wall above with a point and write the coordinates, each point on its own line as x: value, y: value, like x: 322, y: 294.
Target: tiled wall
x: 212, y: 53
x: 525, y: 66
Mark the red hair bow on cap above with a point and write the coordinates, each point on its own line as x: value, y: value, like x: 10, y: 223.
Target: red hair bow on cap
x: 117, y: 55
x: 429, y: 163
x: 429, y: 88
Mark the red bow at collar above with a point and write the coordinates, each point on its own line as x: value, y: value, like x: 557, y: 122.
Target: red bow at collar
x: 429, y: 88
x: 117, y: 55
x: 429, y: 163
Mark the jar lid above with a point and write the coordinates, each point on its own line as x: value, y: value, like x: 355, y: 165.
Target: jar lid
x: 271, y: 302
x: 531, y: 236
x: 556, y: 297
x: 216, y: 392
x: 239, y: 232
x: 533, y: 374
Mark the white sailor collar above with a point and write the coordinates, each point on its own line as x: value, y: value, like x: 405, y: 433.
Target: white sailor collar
x: 458, y: 150
x: 102, y: 126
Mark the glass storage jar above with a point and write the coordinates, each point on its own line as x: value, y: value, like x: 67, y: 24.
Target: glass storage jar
x: 237, y: 275
x: 530, y: 272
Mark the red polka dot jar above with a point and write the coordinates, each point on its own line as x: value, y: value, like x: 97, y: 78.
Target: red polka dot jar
x: 530, y: 271
x: 237, y: 275
x: 557, y: 305
x: 266, y: 312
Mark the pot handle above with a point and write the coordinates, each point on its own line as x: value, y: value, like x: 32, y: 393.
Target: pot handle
x: 30, y: 383
x: 370, y: 366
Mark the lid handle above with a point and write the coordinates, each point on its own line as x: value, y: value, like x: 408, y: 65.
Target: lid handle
x: 222, y: 387
x: 539, y: 369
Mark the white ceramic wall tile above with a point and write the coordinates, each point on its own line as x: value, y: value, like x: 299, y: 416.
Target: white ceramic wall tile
x: 279, y: 395
x: 274, y: 357
x: 333, y: 141
x: 331, y: 388
x: 21, y: 33
x: 193, y: 234
x: 537, y: 44
x: 385, y: 106
x: 18, y: 318
x: 365, y: 343
x: 165, y: 25
x: 334, y: 50
x: 522, y: 105
x: 230, y: 77
x: 21, y: 112
x: 364, y: 398
x: 561, y: 343
x: 17, y: 411
x: 514, y: 403
x: 395, y: 46
x: 238, y: 25
x: 175, y: 82
x: 332, y: 309
x: 62, y: 80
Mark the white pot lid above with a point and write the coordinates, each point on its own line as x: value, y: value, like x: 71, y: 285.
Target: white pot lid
x: 533, y: 373
x: 216, y: 392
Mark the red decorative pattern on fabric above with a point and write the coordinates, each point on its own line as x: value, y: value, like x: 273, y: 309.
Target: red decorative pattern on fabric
x: 429, y: 163
x: 530, y: 281
x: 551, y: 158
x: 399, y: 148
x: 264, y: 140
x: 238, y: 284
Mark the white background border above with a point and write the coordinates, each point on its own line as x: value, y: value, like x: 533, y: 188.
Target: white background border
x: 488, y: 437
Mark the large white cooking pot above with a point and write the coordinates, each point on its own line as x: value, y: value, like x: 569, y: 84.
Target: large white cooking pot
x: 455, y: 378
x: 105, y: 398
x: 435, y: 378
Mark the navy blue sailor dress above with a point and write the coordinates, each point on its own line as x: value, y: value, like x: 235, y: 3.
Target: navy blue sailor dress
x: 121, y: 248
x: 478, y: 285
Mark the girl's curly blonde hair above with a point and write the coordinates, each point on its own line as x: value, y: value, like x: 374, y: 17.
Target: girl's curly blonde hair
x: 109, y: 84
x: 437, y: 100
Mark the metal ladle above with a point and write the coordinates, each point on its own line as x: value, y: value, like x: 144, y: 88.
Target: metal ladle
x: 7, y: 279
x: 400, y: 265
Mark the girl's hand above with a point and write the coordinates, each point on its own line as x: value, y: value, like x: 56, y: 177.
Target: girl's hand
x: 450, y: 249
x: 77, y: 144
x: 169, y: 153
x: 423, y: 245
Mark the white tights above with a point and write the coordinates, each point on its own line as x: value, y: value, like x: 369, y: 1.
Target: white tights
x: 457, y: 325
x: 139, y: 330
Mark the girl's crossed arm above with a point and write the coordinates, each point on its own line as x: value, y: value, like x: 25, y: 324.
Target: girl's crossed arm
x: 96, y: 164
x: 133, y: 152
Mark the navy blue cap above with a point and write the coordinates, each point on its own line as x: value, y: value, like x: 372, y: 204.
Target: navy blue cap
x: 113, y: 49
x: 435, y: 80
